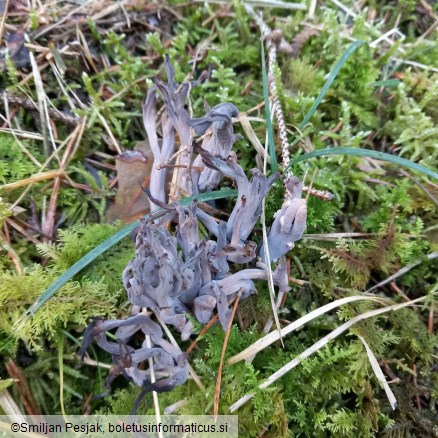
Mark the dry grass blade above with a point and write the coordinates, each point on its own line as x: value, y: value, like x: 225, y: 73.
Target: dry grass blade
x: 263, y: 4
x: 320, y: 344
x: 22, y: 231
x: 266, y: 246
x: 4, y: 12
x: 74, y: 138
x: 171, y: 409
x: 42, y: 103
x: 108, y: 130
x: 154, y: 393
x: 403, y: 271
x: 383, y: 37
x: 312, y: 8
x: 12, y: 131
x: 252, y: 137
x: 21, y: 133
x: 93, y: 363
x: 269, y: 270
x: 61, y: 21
x: 350, y: 12
x: 266, y: 329
x: 193, y: 374
x: 274, y: 336
x: 333, y: 237
x: 37, y: 177
x: 28, y: 104
x: 379, y: 373
x: 86, y: 50
x: 10, y: 408
x: 109, y: 10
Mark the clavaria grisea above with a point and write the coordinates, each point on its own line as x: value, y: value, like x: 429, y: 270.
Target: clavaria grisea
x: 173, y: 276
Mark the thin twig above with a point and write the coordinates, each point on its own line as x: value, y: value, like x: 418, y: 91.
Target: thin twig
x: 22, y: 231
x: 202, y: 333
x: 13, y: 256
x: 403, y: 271
x: 221, y: 363
x: 30, y: 105
x: 23, y: 388
x: 51, y: 213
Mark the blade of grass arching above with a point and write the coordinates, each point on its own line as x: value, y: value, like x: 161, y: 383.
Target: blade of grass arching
x: 273, y: 157
x: 105, y: 246
x: 319, y: 345
x: 330, y: 79
x: 394, y: 159
x: 274, y: 336
x: 379, y: 373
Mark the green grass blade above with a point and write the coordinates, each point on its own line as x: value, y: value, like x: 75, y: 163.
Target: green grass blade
x: 100, y: 249
x: 371, y: 154
x: 330, y: 79
x: 271, y: 144
x: 390, y: 83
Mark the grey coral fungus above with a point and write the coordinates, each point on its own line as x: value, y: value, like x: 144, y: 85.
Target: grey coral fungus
x: 179, y: 275
x: 289, y: 223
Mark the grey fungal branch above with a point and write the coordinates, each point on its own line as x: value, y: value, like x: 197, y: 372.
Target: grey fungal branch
x: 177, y: 275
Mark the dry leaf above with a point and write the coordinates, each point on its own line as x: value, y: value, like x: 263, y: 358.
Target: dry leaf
x: 17, y: 52
x: 133, y: 173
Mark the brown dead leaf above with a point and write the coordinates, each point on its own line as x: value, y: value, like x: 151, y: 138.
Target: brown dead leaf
x: 18, y: 53
x: 133, y: 172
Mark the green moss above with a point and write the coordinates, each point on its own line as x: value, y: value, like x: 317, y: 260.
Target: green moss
x: 334, y: 392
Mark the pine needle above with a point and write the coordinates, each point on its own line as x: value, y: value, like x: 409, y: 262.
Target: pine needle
x: 217, y: 391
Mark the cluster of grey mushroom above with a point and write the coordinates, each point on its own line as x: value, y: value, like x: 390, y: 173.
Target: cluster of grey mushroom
x: 178, y: 276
